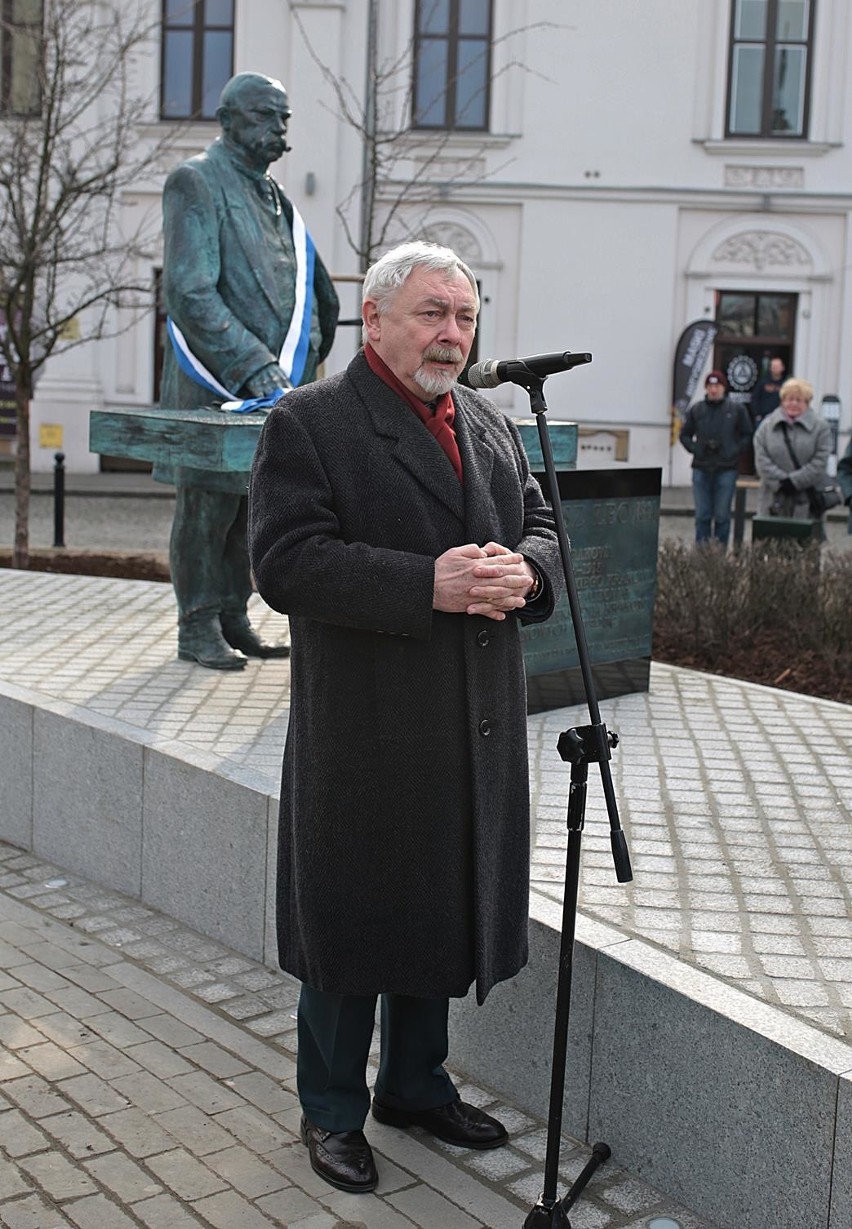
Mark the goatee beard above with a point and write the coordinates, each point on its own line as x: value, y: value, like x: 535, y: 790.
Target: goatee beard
x: 436, y: 383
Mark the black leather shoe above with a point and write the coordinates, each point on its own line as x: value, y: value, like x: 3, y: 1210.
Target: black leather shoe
x: 202, y: 642
x: 343, y: 1158
x: 455, y: 1123
x: 240, y: 634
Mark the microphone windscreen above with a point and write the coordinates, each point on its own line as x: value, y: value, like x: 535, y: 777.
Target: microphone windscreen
x: 484, y: 375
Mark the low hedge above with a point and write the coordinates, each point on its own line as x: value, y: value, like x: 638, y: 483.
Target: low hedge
x: 775, y: 612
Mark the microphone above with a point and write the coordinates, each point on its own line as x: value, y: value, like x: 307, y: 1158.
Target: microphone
x: 519, y: 370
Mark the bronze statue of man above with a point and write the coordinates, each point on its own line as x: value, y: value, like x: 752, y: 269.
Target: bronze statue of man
x: 251, y: 309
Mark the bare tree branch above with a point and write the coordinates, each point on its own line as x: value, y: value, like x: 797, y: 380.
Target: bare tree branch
x: 65, y: 169
x: 388, y: 191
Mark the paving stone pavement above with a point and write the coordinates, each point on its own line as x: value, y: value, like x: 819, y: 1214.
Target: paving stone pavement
x: 147, y: 1079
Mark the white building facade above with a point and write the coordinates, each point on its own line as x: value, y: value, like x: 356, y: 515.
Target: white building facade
x: 611, y: 169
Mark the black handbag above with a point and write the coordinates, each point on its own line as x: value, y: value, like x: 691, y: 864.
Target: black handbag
x: 820, y: 498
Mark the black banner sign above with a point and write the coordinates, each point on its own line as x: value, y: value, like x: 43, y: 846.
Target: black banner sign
x: 693, y: 348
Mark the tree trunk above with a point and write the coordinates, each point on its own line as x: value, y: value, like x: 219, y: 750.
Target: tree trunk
x: 21, y: 554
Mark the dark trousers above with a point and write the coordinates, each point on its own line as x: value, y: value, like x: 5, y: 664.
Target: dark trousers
x: 208, y: 553
x: 713, y: 491
x: 335, y: 1034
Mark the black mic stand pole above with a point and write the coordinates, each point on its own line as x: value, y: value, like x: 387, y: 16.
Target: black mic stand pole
x: 580, y: 747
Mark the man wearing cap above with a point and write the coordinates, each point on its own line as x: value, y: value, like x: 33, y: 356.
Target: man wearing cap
x: 717, y: 432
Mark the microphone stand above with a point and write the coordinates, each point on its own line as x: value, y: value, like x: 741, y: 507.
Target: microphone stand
x: 579, y: 746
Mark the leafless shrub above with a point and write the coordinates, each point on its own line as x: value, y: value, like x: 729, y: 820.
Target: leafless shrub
x: 714, y: 604
x: 835, y: 609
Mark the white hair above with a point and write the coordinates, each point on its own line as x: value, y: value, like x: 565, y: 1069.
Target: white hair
x: 384, y: 278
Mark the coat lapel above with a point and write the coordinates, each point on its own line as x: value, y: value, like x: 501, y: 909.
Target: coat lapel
x: 244, y: 223
x: 415, y: 449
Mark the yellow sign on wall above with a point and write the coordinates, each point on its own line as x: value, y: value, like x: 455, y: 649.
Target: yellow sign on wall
x: 70, y: 330
x: 50, y: 435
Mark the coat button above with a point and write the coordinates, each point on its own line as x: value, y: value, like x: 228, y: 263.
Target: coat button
x: 483, y: 638
x: 485, y: 728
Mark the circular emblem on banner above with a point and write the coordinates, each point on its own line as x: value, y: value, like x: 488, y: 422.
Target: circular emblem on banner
x: 742, y: 373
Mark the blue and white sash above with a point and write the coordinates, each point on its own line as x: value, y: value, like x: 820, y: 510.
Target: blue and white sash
x: 294, y: 352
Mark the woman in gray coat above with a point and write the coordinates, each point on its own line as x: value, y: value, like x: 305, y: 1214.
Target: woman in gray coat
x: 794, y: 430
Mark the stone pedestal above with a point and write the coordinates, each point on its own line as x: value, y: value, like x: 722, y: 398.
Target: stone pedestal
x: 612, y: 517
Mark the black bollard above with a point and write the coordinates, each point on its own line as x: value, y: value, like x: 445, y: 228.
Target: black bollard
x: 59, y: 499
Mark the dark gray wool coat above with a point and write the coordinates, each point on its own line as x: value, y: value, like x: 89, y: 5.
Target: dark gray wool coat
x: 404, y: 821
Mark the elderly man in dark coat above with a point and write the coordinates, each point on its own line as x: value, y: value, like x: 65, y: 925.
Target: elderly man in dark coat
x: 393, y: 516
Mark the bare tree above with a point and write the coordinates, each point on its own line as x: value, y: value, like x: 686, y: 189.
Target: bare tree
x: 381, y: 114
x: 72, y: 140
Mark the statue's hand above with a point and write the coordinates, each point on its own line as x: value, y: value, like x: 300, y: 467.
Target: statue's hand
x: 267, y: 380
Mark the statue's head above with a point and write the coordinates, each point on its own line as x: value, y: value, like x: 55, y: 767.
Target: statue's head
x: 254, y: 111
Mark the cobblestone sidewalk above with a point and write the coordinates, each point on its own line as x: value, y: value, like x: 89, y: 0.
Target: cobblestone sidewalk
x: 147, y: 1079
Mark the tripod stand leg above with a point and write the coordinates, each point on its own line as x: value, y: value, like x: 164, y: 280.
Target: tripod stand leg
x: 554, y: 1215
x: 600, y: 1152
x: 544, y: 1217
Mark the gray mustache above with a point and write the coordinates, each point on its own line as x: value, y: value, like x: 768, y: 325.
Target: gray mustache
x: 441, y: 354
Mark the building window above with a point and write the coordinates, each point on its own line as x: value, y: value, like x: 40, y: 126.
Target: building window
x: 769, y: 68
x: 20, y: 53
x: 452, y: 64
x: 198, y: 56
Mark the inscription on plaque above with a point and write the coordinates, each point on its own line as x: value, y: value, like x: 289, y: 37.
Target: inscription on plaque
x: 613, y: 520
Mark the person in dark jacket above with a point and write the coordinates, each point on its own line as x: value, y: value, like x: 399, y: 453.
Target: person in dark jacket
x: 394, y: 518
x: 717, y: 432
x: 766, y: 396
x: 251, y: 310
x: 844, y: 479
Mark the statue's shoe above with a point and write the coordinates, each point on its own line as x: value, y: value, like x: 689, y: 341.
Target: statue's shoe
x: 240, y: 634
x: 204, y: 643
